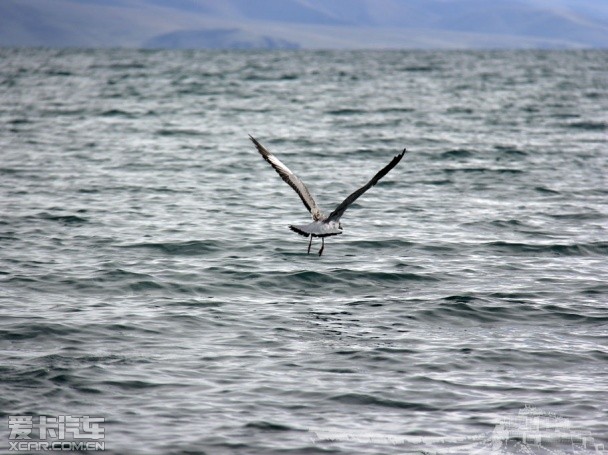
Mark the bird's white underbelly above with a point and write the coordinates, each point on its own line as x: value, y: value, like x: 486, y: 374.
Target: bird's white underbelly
x: 318, y: 229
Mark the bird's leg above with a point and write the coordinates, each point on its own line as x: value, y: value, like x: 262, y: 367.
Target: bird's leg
x: 322, y: 246
x: 309, y: 243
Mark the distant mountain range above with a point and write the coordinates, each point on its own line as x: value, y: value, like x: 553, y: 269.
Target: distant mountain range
x: 317, y: 24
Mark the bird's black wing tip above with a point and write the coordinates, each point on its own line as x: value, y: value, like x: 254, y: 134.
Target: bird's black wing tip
x: 398, y: 156
x: 299, y: 231
x: 258, y: 145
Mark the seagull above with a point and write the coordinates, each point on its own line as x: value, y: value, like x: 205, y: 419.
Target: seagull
x: 321, y: 226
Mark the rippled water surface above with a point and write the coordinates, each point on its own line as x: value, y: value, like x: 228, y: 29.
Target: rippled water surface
x: 147, y: 274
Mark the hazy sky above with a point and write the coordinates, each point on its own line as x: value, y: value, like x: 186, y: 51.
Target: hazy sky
x: 306, y: 24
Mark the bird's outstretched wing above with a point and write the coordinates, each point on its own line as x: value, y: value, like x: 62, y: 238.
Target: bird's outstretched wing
x: 337, y: 214
x: 291, y: 179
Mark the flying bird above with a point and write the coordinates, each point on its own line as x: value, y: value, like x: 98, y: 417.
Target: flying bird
x: 321, y: 226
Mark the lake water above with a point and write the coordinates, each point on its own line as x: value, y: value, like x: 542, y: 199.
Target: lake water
x: 148, y: 277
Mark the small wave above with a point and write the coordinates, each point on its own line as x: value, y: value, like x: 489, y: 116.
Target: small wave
x: 138, y: 282
x: 120, y: 274
x: 570, y: 314
x: 119, y: 66
x: 191, y: 248
x: 464, y: 309
x: 440, y: 182
x: 460, y: 298
x: 566, y: 314
x: 506, y: 223
x: 310, y: 277
x: 394, y: 110
x: 576, y: 249
x: 117, y: 113
x: 353, y: 276
x: 65, y: 219
x: 248, y: 109
x: 589, y: 125
x: 81, y: 359
x: 459, y: 110
x: 121, y: 281
x: 456, y: 153
x: 545, y: 190
x: 131, y: 384
x: 388, y: 276
x: 510, y: 151
x: 382, y: 243
x: 144, y: 285
x: 289, y: 77
x: 346, y: 111
x: 322, y: 280
x: 599, y: 289
x: 264, y: 77
x: 440, y: 248
x: 177, y: 132
x: 501, y: 306
x: 372, y: 400
x: 594, y: 95
x: 593, y: 215
x: 66, y: 112
x: 516, y: 297
x: 484, y: 169
x: 196, y: 303
x: 31, y: 329
x: 19, y: 121
x: 10, y: 171
x: 419, y: 68
x: 269, y: 426
x: 53, y: 72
